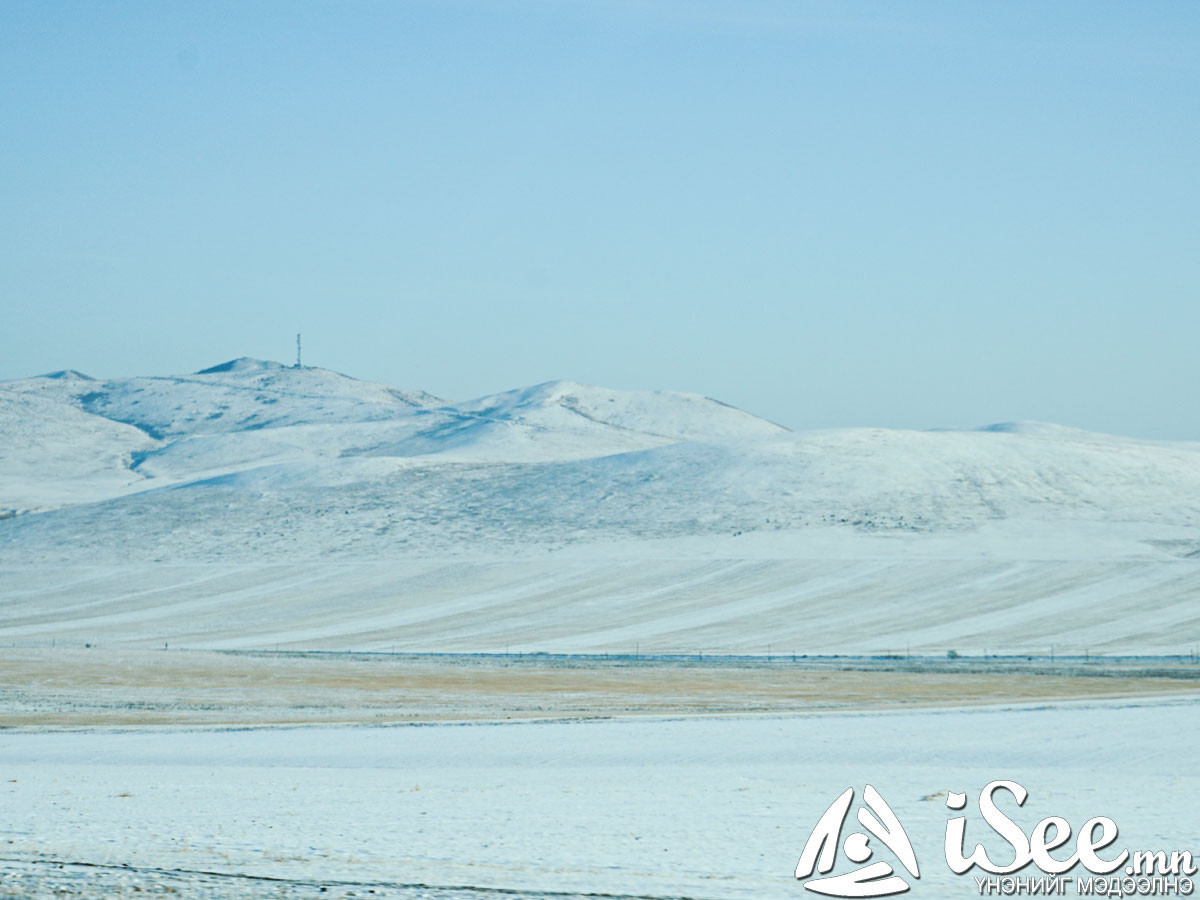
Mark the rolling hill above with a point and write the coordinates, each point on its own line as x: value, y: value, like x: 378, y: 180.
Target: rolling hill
x: 254, y: 505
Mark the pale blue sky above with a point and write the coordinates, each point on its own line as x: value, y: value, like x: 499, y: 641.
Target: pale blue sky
x: 900, y: 214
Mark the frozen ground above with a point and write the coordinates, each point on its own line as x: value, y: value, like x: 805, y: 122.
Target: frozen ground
x: 708, y: 807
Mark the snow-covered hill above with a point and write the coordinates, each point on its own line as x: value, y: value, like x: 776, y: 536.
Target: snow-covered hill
x: 253, y: 503
x: 68, y: 438
x: 54, y: 453
x: 245, y: 395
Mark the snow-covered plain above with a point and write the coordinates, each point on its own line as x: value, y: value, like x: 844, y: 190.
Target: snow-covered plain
x: 711, y: 807
x: 255, y: 505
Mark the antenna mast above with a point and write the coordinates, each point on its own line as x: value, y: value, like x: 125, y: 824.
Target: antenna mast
x: 297, y: 350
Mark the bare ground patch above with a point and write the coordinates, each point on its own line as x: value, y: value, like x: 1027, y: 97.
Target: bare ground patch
x: 113, y: 687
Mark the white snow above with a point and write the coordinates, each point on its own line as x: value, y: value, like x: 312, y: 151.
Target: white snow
x: 52, y: 453
x: 253, y: 504
x: 706, y: 808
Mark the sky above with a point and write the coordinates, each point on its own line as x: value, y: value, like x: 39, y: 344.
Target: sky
x: 830, y: 214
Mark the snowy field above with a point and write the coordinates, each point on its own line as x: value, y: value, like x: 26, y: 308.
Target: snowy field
x: 619, y: 598
x: 701, y: 807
